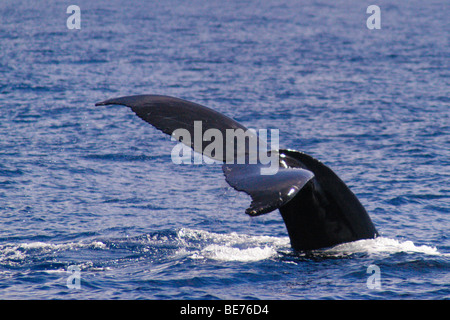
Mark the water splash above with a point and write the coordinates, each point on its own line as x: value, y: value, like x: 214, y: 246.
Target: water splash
x: 195, y: 244
x: 245, y: 248
x: 230, y: 247
x: 380, y: 245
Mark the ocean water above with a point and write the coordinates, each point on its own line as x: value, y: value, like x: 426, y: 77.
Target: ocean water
x: 93, y: 189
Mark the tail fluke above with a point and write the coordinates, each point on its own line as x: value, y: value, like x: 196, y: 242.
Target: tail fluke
x: 174, y: 116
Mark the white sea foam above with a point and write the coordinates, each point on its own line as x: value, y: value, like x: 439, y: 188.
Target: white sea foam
x: 231, y: 246
x: 20, y: 251
x: 225, y: 253
x: 232, y: 238
x: 200, y: 244
x: 380, y: 245
x: 245, y: 248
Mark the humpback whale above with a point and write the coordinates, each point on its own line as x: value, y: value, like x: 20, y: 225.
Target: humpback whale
x: 317, y: 207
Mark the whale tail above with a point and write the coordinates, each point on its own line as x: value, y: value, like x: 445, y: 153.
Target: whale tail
x: 319, y: 210
x: 168, y: 114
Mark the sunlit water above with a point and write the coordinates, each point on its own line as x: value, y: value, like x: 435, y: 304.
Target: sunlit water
x: 94, y: 187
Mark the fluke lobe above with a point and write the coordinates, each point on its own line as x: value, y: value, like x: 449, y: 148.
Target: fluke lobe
x: 318, y: 208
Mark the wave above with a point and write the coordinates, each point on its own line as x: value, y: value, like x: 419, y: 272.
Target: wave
x: 380, y: 245
x: 245, y: 248
x: 192, y: 244
x: 37, y: 252
x: 232, y: 246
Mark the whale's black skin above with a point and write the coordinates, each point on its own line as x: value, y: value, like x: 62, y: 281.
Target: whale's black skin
x: 319, y: 210
x: 324, y: 212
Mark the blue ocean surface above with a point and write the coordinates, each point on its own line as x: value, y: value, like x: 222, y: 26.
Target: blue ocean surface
x: 92, y: 207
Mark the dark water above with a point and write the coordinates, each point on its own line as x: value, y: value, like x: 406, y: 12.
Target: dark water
x: 94, y: 187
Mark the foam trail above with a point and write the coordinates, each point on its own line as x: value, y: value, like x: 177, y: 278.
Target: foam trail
x: 245, y: 248
x: 21, y: 251
x: 380, y: 245
x: 200, y: 244
x: 225, y: 253
x: 232, y: 246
